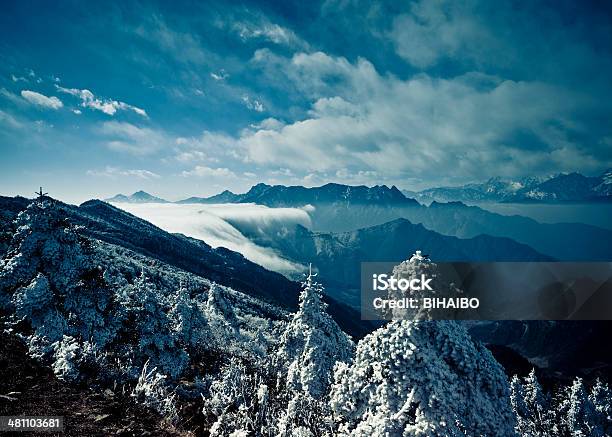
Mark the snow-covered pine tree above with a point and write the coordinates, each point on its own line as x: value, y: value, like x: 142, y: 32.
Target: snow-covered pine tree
x: 222, y: 321
x: 570, y: 411
x: 148, y: 313
x: 578, y: 415
x: 312, y: 343
x: 421, y: 379
x: 45, y: 262
x: 601, y: 397
x: 532, y: 408
x: 188, y: 320
x: 308, y: 349
x: 416, y: 266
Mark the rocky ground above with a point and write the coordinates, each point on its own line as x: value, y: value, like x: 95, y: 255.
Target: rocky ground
x: 27, y: 388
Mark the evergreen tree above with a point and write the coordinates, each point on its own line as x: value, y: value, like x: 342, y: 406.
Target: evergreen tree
x: 312, y: 343
x: 421, y: 379
x: 309, y: 348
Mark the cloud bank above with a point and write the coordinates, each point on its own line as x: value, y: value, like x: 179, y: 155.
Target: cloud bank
x: 218, y: 226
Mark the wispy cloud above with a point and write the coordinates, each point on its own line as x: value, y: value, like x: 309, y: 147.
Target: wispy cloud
x: 127, y: 137
x: 182, y: 46
x: 18, y: 78
x: 220, y: 75
x: 107, y: 106
x: 41, y: 100
x: 208, y: 172
x: 9, y: 120
x: 260, y: 27
x: 253, y: 104
x: 114, y: 172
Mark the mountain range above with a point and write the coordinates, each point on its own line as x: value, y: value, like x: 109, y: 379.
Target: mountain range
x: 277, y: 195
x: 338, y: 256
x: 571, y: 187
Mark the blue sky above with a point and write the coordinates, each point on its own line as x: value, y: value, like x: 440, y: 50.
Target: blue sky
x: 189, y: 98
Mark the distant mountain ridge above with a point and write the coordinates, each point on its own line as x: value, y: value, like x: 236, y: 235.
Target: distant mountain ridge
x: 571, y: 187
x: 137, y: 197
x: 280, y: 195
x: 338, y: 256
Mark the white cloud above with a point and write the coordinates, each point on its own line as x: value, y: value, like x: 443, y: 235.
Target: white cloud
x: 191, y: 156
x: 364, y: 125
x: 437, y: 29
x: 107, y: 106
x: 261, y: 28
x: 224, y: 225
x: 114, y: 172
x: 203, y: 171
x: 41, y: 100
x: 126, y: 137
x: 269, y: 124
x: 209, y: 146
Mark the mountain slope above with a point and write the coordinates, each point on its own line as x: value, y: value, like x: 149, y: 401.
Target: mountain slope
x: 338, y: 256
x: 563, y: 241
x: 494, y: 190
x: 104, y: 222
x: 572, y: 187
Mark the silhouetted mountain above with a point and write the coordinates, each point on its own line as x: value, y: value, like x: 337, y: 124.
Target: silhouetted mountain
x: 281, y: 195
x: 338, y: 256
x: 563, y: 241
x: 137, y: 197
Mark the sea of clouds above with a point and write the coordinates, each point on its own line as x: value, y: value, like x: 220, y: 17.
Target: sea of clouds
x: 225, y: 225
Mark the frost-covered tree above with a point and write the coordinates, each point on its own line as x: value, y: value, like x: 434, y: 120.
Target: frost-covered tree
x: 311, y: 344
x: 415, y: 267
x: 239, y: 399
x: 421, y: 379
x: 532, y: 407
x: 148, y: 314
x: 571, y: 411
x: 309, y: 347
x: 45, y: 262
x: 188, y: 320
x: 601, y: 397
